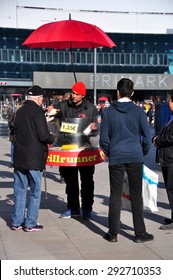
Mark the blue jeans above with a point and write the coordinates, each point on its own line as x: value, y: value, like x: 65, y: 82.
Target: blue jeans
x: 23, y: 178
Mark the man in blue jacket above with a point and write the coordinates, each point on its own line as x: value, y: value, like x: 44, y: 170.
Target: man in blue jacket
x: 31, y: 136
x: 125, y: 138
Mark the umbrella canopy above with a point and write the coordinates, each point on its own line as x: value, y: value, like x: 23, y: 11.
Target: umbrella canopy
x: 68, y: 34
x: 103, y: 98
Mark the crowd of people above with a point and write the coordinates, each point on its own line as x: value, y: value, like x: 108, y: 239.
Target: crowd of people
x: 125, y: 138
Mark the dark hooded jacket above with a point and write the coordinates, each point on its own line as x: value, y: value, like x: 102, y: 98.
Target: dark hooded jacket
x: 83, y: 115
x: 68, y: 109
x: 164, y: 142
x: 31, y: 136
x: 125, y: 134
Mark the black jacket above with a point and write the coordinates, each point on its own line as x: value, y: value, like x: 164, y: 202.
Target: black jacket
x: 68, y: 109
x: 31, y: 136
x: 164, y: 142
x: 83, y: 115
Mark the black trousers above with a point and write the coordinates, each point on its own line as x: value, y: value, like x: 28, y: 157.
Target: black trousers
x: 116, y: 173
x: 71, y: 175
x: 168, y: 180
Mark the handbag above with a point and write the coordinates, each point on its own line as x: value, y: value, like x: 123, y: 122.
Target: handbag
x: 149, y: 190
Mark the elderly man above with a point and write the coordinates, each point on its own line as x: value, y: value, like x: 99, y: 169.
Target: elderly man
x: 31, y: 136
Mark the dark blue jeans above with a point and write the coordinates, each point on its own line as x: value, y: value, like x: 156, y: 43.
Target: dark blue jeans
x: 71, y: 175
x: 116, y: 173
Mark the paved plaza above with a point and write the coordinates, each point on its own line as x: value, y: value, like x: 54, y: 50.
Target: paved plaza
x: 75, y: 239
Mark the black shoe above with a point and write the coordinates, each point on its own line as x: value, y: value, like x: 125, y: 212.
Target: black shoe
x: 110, y: 237
x: 61, y: 180
x: 168, y: 221
x: 86, y: 215
x: 32, y: 229
x: 143, y: 238
x: 17, y: 227
x: 167, y: 227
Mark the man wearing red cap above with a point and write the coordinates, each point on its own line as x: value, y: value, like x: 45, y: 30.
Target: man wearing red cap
x: 77, y: 106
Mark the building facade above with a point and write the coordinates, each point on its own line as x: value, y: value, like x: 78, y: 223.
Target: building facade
x: 142, y: 54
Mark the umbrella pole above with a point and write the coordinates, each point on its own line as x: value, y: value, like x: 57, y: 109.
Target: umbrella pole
x: 95, y: 71
x: 73, y: 66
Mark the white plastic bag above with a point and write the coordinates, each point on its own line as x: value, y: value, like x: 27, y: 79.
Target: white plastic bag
x: 149, y: 190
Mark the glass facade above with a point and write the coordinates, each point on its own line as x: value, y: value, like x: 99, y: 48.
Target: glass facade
x: 135, y: 53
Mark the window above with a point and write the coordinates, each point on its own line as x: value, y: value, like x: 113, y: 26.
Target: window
x: 78, y: 57
x: 89, y: 58
x: 37, y: 56
x: 43, y: 56
x: 133, y: 58
x: 61, y: 57
x: 150, y: 59
x: 49, y: 57
x: 106, y: 58
x: 144, y: 59
x: 55, y: 57
x: 32, y: 56
x: 122, y: 59
x: 165, y: 59
x: 4, y: 55
x: 154, y: 59
x: 138, y: 59
x: 23, y: 56
x: 67, y: 57
x: 100, y: 58
x: 160, y: 59
x: 117, y: 58
x: 11, y: 55
x: 28, y: 56
x: 127, y: 58
x: 111, y: 58
x: 83, y: 58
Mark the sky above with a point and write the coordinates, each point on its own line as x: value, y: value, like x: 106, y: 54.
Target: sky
x: 111, y: 18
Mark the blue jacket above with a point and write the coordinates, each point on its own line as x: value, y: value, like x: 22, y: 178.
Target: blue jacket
x: 125, y: 135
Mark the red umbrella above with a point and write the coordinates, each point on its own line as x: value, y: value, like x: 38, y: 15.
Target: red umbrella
x: 103, y: 98
x: 69, y: 34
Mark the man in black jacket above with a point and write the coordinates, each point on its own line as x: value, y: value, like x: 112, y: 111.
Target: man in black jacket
x: 78, y: 107
x: 31, y: 136
x: 164, y: 156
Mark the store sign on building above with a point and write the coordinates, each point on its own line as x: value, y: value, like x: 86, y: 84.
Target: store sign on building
x: 141, y: 81
x: 104, y: 81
